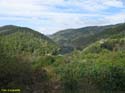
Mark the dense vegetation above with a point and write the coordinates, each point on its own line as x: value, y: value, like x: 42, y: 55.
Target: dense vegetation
x: 19, y: 74
x: 80, y: 38
x: 99, y: 67
x: 19, y: 48
x: 32, y: 62
x: 21, y: 40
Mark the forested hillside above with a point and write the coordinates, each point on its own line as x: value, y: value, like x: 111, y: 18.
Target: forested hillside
x: 32, y: 63
x: 99, y: 67
x: 82, y: 37
x: 22, y: 40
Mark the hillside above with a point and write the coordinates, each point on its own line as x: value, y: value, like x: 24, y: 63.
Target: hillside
x: 30, y: 61
x: 21, y: 40
x: 82, y: 37
x: 109, y: 44
x: 102, y: 63
x: 99, y: 67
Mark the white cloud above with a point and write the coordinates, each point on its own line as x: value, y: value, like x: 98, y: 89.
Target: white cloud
x: 113, y: 3
x: 19, y: 7
x: 117, y: 18
x: 44, y: 15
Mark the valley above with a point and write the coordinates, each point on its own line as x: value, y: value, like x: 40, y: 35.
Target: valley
x: 83, y: 60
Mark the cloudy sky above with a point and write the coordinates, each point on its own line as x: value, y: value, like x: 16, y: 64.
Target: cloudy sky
x: 49, y: 16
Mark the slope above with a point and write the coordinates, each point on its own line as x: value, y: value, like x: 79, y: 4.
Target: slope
x: 81, y: 38
x: 21, y: 40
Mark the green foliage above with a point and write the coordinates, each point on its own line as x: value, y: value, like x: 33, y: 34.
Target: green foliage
x: 104, y: 71
x: 111, y: 44
x: 70, y: 74
x: 29, y: 61
x: 19, y: 74
x: 14, y: 73
x: 108, y: 73
x: 83, y: 37
x: 23, y: 54
x: 25, y: 40
x: 43, y: 61
x: 100, y: 67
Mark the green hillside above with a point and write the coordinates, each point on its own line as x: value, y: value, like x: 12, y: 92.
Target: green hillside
x: 81, y: 38
x: 21, y: 40
x: 20, y: 48
x: 98, y: 68
x: 31, y: 62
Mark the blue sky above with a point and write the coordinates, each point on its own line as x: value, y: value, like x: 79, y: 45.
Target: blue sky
x: 50, y: 16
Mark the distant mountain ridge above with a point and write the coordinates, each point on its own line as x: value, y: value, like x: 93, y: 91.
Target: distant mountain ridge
x: 82, y: 37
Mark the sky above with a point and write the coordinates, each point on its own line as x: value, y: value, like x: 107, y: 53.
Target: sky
x: 50, y: 16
